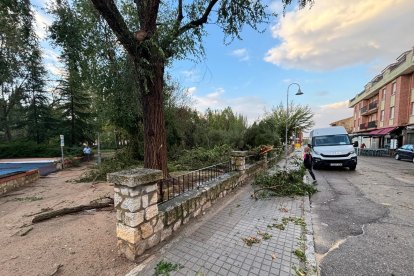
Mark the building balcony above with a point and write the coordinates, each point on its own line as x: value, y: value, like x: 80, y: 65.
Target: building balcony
x: 363, y: 109
x: 369, y: 109
x: 403, y: 66
x: 368, y: 125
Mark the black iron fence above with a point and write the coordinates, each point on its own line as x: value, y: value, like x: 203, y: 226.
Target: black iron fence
x: 174, y: 186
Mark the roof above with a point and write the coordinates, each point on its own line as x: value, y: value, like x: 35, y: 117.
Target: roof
x: 382, y: 131
x: 333, y: 130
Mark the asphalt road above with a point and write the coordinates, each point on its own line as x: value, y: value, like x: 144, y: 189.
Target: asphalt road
x: 364, y: 220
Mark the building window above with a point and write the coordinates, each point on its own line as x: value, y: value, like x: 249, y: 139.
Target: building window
x: 392, y: 113
x: 384, y: 93
x: 394, y: 88
x: 382, y: 115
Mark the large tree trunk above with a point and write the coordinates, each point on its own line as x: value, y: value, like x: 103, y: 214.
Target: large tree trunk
x: 155, y: 142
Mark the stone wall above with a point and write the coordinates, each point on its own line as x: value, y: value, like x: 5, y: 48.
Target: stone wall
x: 142, y: 223
x: 13, y: 182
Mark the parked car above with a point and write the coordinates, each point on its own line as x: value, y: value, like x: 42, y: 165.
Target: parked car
x: 405, y: 152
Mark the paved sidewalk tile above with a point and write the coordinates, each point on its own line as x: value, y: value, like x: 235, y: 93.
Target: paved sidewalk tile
x: 217, y: 246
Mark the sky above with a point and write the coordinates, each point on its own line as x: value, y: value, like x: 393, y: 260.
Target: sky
x: 331, y: 50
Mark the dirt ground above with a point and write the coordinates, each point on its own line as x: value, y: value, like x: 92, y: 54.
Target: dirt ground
x: 78, y: 244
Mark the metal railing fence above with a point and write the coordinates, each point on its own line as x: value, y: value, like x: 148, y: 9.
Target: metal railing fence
x: 174, y: 186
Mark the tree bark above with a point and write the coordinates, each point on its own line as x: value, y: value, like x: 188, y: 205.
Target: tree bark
x: 155, y: 141
x: 70, y: 210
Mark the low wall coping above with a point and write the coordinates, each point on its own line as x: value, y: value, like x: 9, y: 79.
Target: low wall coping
x: 135, y: 177
x: 238, y: 153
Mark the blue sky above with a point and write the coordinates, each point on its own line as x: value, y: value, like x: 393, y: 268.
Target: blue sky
x: 332, y: 50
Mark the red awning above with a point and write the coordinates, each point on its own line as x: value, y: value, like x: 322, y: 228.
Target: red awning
x: 382, y: 131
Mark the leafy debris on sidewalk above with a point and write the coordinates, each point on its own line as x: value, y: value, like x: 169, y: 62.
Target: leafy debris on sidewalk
x: 164, y: 268
x: 279, y: 226
x: 282, y: 183
x: 264, y: 235
x: 249, y: 241
x: 300, y: 254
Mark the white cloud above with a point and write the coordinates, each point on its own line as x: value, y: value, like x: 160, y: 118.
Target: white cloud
x: 335, y: 106
x: 326, y: 114
x: 191, y: 91
x: 242, y: 54
x: 55, y: 70
x: 191, y: 75
x: 51, y: 55
x: 42, y: 22
x: 276, y: 7
x: 337, y: 33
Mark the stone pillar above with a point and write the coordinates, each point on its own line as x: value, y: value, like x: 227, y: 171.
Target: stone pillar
x: 238, y: 160
x: 135, y: 199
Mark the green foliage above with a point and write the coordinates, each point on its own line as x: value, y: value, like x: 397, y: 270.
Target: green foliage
x: 68, y: 32
x: 300, y: 119
x: 122, y: 160
x: 164, y: 268
x: 32, y: 149
x: 262, y: 133
x: 201, y: 157
x: 283, y: 183
x: 21, y: 73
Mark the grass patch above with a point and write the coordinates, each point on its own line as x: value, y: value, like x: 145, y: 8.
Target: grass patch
x: 164, y: 268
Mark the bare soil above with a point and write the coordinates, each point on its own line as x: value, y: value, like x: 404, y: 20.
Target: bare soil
x: 78, y: 244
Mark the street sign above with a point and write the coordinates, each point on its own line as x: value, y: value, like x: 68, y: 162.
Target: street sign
x: 62, y: 140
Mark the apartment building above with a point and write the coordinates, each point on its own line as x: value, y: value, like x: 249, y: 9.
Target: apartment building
x: 384, y: 110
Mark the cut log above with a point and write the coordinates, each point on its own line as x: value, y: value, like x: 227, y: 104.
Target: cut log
x: 65, y: 211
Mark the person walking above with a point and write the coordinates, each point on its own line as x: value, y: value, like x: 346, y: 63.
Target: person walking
x: 307, y: 162
x: 87, y: 151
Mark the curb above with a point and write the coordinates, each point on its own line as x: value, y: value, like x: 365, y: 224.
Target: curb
x: 311, y: 265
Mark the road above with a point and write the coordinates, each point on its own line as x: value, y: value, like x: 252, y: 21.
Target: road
x: 364, y: 220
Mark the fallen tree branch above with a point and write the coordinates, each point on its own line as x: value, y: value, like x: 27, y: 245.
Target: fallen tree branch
x: 272, y: 188
x: 65, y: 211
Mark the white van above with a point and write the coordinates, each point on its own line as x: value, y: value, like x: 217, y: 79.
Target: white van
x: 331, y: 147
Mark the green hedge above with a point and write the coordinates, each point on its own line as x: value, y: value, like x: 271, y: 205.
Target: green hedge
x: 31, y: 149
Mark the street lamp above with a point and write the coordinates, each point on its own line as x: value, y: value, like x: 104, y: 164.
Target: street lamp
x: 287, y: 118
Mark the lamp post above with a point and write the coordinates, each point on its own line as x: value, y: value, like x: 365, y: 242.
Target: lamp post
x: 287, y: 118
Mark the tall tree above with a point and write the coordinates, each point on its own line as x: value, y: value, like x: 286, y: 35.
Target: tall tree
x: 168, y: 30
x: 21, y: 71
x: 68, y: 33
x: 300, y: 118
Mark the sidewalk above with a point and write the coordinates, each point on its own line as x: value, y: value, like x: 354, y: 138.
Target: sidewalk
x: 214, y: 244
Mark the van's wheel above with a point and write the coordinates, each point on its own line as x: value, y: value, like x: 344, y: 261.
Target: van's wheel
x: 397, y: 157
x: 352, y: 168
x: 413, y: 159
